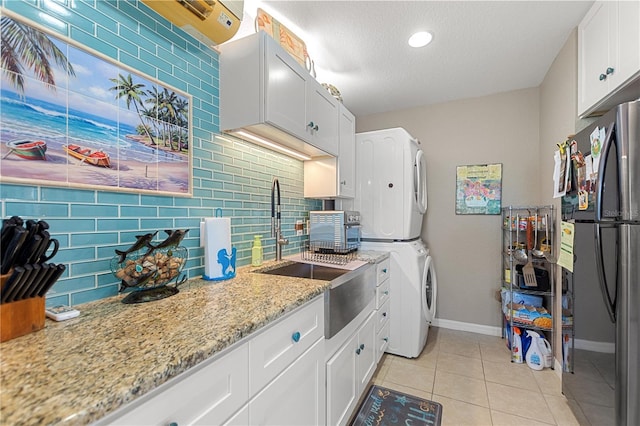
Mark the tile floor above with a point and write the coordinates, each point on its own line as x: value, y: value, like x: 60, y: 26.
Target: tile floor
x: 472, y: 377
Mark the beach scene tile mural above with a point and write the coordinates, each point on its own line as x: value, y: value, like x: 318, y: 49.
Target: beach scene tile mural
x: 70, y: 117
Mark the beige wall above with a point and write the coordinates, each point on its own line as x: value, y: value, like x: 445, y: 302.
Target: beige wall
x: 519, y: 129
x: 501, y: 128
x: 558, y: 113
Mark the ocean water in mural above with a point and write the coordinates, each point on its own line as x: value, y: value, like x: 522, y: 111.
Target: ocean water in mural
x: 86, y: 121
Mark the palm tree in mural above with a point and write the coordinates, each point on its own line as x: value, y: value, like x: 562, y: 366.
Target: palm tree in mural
x: 132, y: 93
x: 163, y: 104
x: 24, y: 47
x: 182, y: 112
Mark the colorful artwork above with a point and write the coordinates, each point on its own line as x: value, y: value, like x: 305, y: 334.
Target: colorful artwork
x: 69, y: 117
x: 479, y: 189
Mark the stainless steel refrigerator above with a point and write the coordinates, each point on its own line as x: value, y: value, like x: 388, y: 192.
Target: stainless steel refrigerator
x: 602, y: 370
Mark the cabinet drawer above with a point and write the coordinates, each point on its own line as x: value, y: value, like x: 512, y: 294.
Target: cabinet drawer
x: 382, y: 315
x: 383, y: 293
x: 296, y: 396
x: 279, y: 345
x: 382, y: 341
x: 208, y: 395
x: 382, y: 271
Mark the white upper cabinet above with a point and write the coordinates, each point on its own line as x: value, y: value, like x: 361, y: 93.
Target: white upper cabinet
x: 608, y: 56
x: 264, y: 91
x: 334, y: 177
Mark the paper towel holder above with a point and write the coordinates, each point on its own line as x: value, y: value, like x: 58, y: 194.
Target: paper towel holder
x: 226, y: 260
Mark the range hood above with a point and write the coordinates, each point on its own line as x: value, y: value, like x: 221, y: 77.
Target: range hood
x: 209, y: 21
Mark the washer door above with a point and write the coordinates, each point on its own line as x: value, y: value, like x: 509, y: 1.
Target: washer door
x: 429, y: 290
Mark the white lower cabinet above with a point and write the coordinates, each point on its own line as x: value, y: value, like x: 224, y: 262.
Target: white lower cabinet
x: 296, y: 396
x: 275, y: 377
x: 207, y: 395
x: 240, y: 418
x: 271, y: 351
x: 349, y: 371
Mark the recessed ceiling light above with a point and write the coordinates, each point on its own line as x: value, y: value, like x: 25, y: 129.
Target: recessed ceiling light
x: 420, y: 39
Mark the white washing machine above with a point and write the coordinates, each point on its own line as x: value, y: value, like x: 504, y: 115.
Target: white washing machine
x: 413, y: 295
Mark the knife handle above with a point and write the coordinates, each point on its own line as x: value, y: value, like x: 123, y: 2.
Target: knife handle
x: 17, y: 286
x: 28, y: 250
x: 52, y: 280
x: 49, y: 269
x: 8, y: 285
x: 12, y: 251
x: 28, y: 283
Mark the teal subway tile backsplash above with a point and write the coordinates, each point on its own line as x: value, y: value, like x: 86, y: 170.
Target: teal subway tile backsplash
x: 18, y: 192
x: 94, y: 43
x: 64, y: 194
x: 227, y: 173
x: 93, y: 238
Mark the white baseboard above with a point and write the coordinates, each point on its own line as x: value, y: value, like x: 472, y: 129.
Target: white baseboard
x: 467, y: 326
x: 588, y: 345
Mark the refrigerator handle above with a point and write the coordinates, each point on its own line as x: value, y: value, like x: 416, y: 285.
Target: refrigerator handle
x: 604, y: 153
x: 602, y: 276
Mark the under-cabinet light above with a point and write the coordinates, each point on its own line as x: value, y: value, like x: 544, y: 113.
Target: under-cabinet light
x: 272, y: 145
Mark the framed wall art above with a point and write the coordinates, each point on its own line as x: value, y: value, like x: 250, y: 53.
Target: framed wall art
x: 72, y: 117
x: 479, y: 189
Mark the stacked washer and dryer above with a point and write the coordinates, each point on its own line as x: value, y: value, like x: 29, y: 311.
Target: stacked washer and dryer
x: 391, y: 195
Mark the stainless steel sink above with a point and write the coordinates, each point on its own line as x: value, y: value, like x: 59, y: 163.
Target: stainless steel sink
x: 306, y: 270
x: 349, y: 293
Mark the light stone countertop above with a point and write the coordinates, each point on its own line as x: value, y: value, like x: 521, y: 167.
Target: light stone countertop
x: 79, y: 370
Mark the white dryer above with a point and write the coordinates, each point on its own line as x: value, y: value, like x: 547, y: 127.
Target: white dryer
x: 413, y: 295
x: 391, y: 184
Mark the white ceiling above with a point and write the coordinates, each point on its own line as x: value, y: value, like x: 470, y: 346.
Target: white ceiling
x: 478, y: 47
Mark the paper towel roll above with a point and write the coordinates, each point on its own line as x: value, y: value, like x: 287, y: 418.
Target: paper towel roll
x: 216, y: 236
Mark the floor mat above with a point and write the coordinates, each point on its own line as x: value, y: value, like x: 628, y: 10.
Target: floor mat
x: 383, y: 407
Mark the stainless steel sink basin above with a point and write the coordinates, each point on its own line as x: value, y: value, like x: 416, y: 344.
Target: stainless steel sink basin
x: 306, y: 270
x: 349, y: 292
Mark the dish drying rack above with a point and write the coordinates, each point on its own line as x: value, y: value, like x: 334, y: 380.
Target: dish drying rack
x: 328, y: 252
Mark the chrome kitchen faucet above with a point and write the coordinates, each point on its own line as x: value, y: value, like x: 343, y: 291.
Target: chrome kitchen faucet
x: 275, y: 219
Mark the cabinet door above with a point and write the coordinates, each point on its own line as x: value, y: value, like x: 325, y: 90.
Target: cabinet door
x: 271, y: 351
x: 208, y: 395
x: 295, y: 397
x: 342, y: 382
x: 382, y: 341
x: 366, y: 362
x: 347, y: 154
x: 593, y: 54
x: 322, y: 114
x: 628, y: 42
x: 285, y: 94
x: 382, y: 315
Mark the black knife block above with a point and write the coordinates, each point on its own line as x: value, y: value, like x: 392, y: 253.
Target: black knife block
x: 20, y: 317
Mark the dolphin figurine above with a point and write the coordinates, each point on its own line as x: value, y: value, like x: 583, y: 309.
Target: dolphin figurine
x: 141, y: 241
x: 174, y: 238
